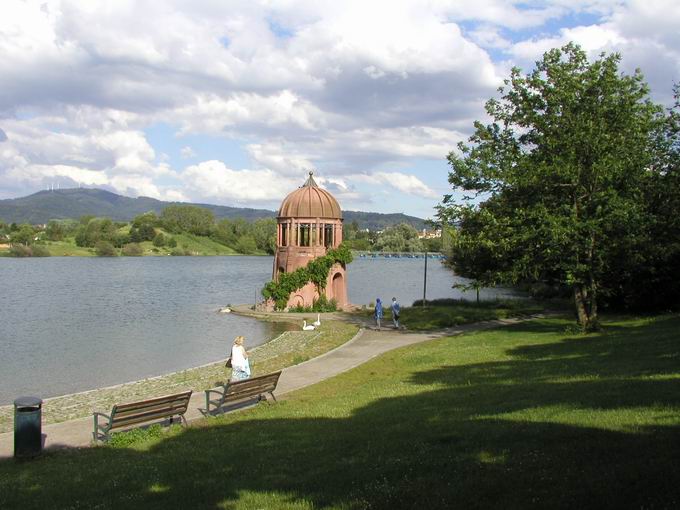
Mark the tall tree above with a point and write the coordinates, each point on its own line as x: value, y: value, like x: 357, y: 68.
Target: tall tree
x: 559, y: 171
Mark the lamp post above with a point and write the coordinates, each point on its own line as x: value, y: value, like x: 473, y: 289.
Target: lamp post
x: 425, y: 281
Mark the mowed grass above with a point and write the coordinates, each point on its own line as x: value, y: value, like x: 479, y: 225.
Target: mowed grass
x: 446, y: 313
x: 528, y: 416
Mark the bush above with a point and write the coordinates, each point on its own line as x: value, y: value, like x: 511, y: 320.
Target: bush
x: 19, y: 250
x: 171, y: 242
x: 159, y: 240
x: 133, y: 250
x: 40, y: 251
x: 104, y: 249
x: 180, y: 252
x: 323, y: 304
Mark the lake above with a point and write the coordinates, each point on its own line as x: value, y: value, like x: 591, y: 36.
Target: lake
x: 73, y: 324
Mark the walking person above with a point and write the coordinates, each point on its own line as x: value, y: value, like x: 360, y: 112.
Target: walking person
x: 395, y: 312
x: 240, y: 365
x: 378, y: 314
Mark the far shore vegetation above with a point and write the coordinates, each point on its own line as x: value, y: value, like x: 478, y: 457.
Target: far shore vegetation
x: 185, y: 230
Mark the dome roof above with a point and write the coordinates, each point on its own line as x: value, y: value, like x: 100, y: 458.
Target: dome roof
x: 310, y: 201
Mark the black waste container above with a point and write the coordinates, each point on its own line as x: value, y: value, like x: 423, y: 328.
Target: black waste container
x: 27, y: 426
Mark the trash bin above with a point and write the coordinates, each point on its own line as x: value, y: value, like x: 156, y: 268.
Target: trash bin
x: 27, y: 426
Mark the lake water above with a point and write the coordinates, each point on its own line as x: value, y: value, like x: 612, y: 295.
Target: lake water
x: 73, y: 324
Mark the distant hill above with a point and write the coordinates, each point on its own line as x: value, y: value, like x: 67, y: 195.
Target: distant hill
x: 73, y: 203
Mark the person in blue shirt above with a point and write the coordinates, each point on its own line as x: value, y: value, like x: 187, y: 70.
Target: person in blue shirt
x: 378, y: 314
x: 395, y: 312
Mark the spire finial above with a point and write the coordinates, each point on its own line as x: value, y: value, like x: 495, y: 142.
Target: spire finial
x: 310, y: 181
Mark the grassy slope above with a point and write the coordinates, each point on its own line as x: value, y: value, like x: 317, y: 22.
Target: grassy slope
x: 196, y: 245
x: 527, y: 416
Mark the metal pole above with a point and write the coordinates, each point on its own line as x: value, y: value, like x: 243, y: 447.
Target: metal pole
x: 425, y: 281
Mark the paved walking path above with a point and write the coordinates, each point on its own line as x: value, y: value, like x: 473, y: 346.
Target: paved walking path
x: 367, y: 344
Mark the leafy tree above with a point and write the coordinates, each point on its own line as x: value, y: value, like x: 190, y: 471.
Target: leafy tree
x: 55, y: 231
x: 223, y: 233
x: 148, y: 218
x: 560, y: 169
x: 358, y: 244
x: 97, y: 229
x: 650, y: 279
x: 143, y: 227
x: 432, y: 244
x: 23, y: 235
x: 188, y: 218
x: 160, y: 240
x: 104, y: 249
x: 400, y: 238
x: 264, y: 233
x: 142, y: 232
x: 172, y: 242
x: 246, y: 245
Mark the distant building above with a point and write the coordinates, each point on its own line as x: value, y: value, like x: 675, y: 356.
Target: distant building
x: 309, y: 224
x: 429, y: 234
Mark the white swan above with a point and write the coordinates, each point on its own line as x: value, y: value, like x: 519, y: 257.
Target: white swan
x: 317, y: 322
x: 305, y: 327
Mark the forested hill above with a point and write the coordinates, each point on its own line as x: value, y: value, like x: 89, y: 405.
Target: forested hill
x: 74, y: 203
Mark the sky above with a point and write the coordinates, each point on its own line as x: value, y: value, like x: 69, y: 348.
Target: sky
x: 233, y: 102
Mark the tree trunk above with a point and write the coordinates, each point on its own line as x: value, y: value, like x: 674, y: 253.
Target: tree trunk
x: 586, y: 308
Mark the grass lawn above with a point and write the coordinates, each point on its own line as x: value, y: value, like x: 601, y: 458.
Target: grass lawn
x: 445, y: 313
x: 525, y: 416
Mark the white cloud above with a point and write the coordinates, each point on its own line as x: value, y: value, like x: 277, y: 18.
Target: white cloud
x: 407, y: 184
x: 187, y: 152
x: 346, y: 88
x: 215, y: 180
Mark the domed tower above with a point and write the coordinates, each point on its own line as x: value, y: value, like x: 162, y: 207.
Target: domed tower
x: 309, y: 224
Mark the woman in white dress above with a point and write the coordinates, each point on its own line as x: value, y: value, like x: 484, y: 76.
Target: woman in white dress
x: 240, y: 365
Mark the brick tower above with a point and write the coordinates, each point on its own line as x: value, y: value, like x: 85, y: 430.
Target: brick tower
x: 309, y: 224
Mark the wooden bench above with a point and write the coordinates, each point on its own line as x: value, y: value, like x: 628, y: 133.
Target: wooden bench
x: 134, y: 413
x: 241, y: 390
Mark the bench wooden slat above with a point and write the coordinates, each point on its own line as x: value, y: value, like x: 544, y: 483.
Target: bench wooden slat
x: 164, y: 411
x: 116, y: 414
x: 123, y: 415
x: 152, y: 401
x: 240, y: 390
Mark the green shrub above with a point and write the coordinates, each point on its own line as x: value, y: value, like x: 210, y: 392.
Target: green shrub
x: 40, y: 251
x: 159, y: 240
x: 133, y: 250
x: 19, y: 250
x: 179, y: 252
x: 171, y: 242
x: 104, y: 249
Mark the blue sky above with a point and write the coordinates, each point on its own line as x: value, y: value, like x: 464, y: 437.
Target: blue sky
x: 232, y: 103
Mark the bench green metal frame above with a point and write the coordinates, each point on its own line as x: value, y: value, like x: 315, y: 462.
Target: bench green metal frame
x: 241, y: 390
x: 134, y: 413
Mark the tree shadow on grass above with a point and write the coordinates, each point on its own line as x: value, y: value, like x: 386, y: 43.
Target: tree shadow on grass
x: 455, y: 441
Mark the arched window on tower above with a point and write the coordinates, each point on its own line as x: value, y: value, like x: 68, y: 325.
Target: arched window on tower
x: 284, y: 234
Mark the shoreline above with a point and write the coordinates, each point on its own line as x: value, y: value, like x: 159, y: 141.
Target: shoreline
x: 287, y: 349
